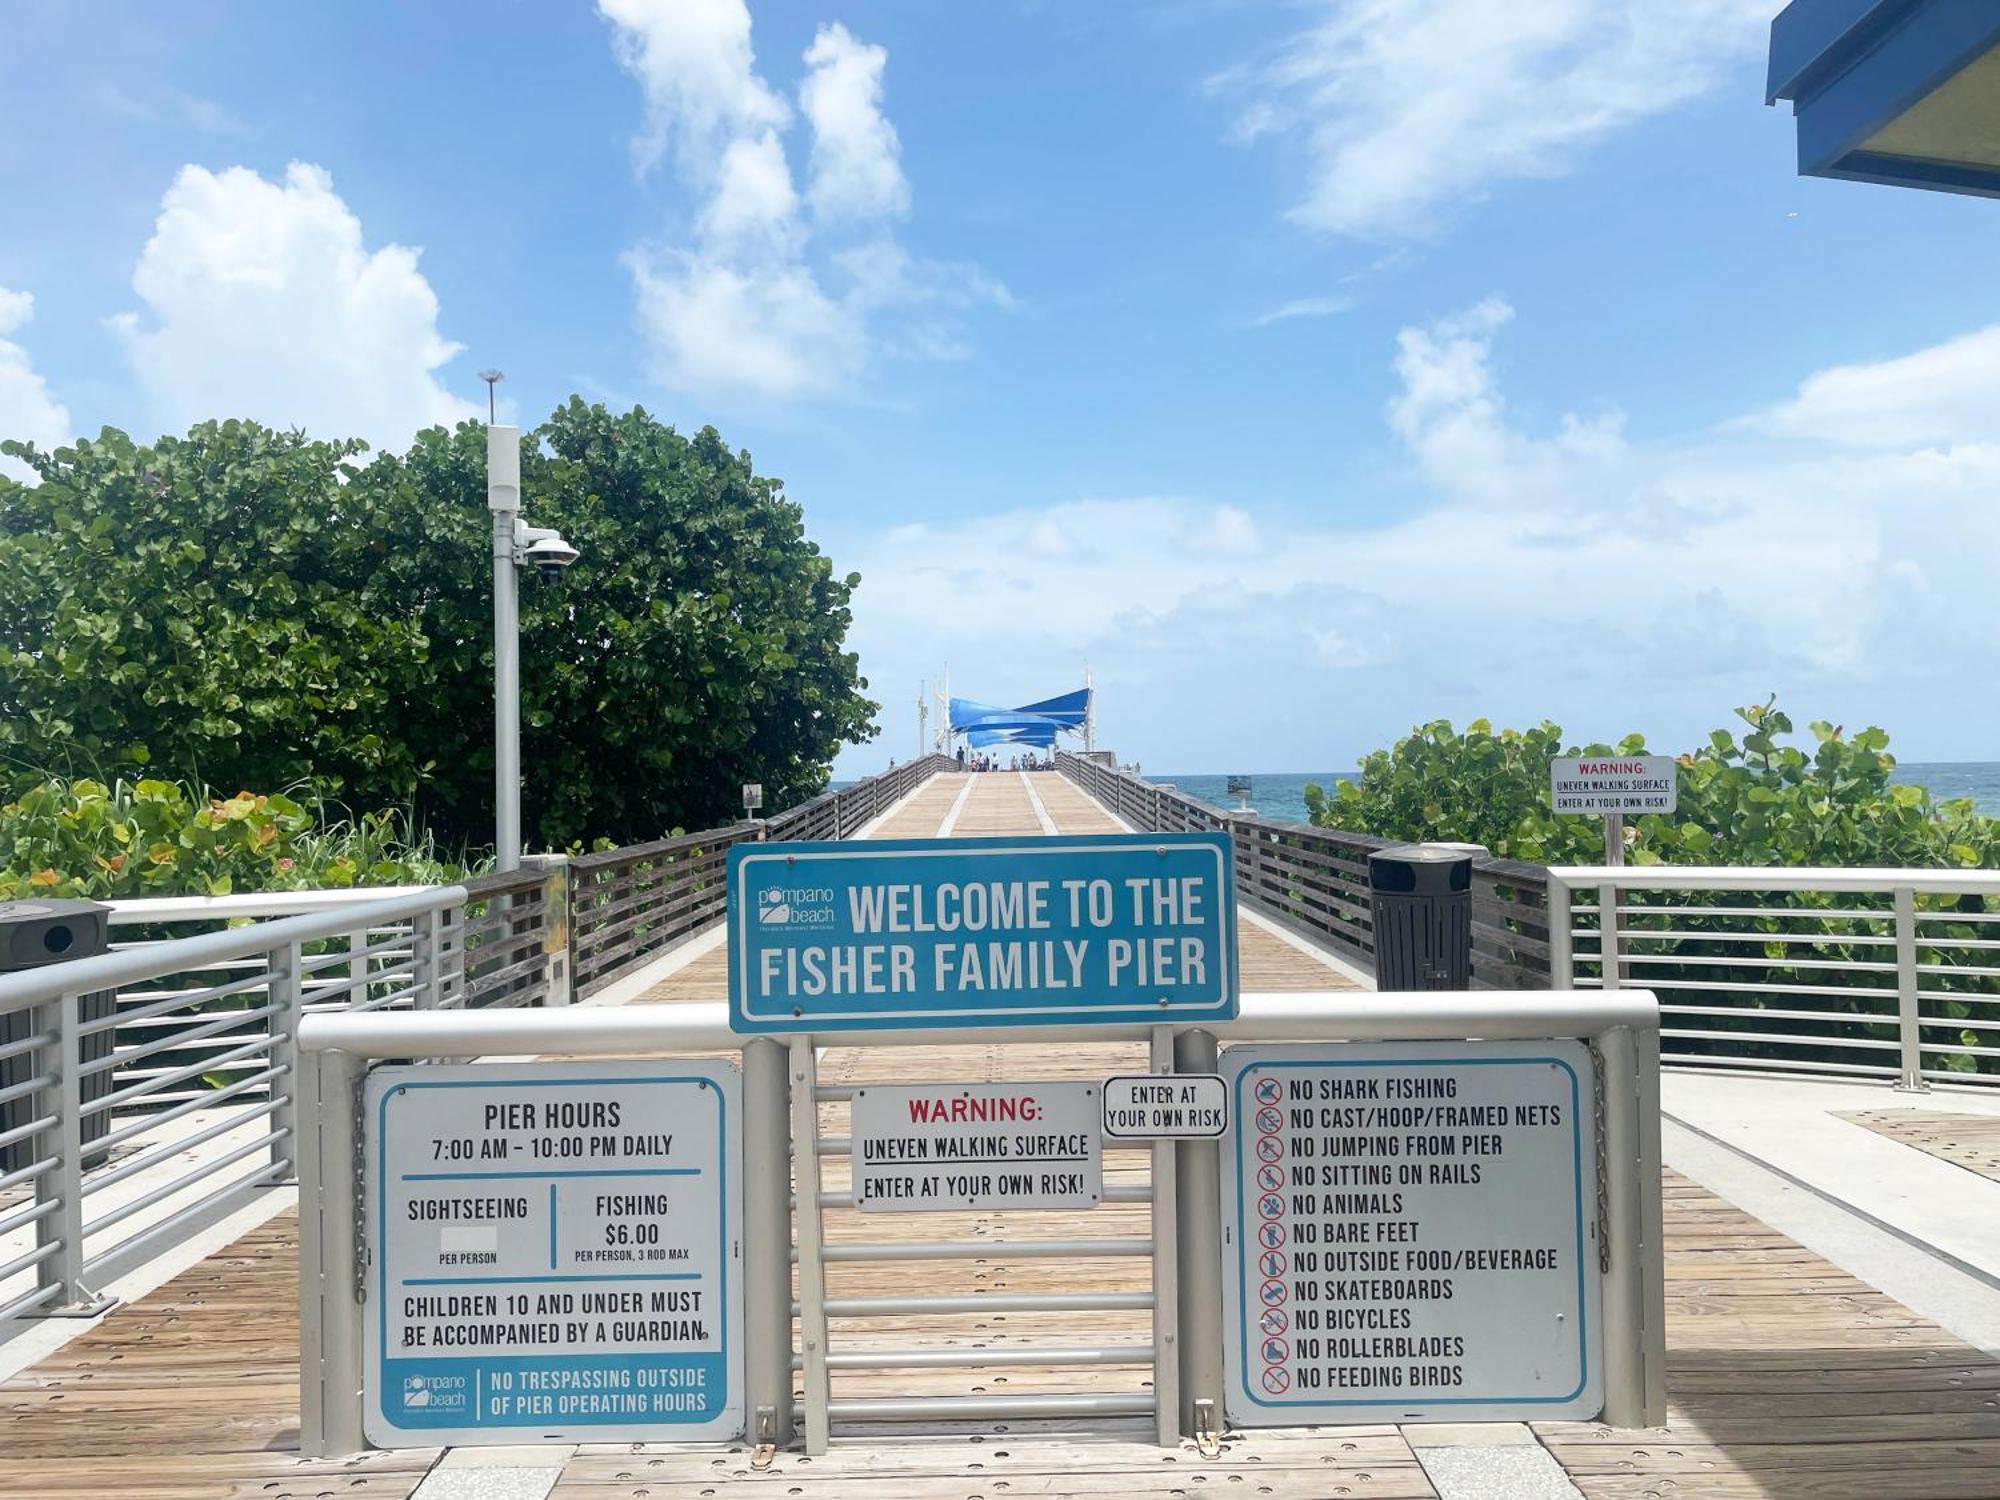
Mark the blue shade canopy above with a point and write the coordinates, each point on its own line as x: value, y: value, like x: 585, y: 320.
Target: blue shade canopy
x: 1902, y: 92
x: 1035, y: 724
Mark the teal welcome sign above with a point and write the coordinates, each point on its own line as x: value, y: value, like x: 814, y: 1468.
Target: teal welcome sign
x: 981, y: 932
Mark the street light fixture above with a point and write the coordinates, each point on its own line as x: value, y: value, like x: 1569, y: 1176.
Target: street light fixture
x: 515, y: 545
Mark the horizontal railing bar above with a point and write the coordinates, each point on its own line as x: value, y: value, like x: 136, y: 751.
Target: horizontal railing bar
x: 1779, y: 1039
x: 931, y: 1307
x: 1301, y: 1016
x: 26, y: 1087
x: 112, y: 971
x: 169, y: 1149
x: 26, y: 1044
x: 181, y: 1184
x: 996, y: 1250
x: 1778, y: 1064
x: 228, y: 1020
x: 147, y: 1083
x: 33, y: 1169
x: 211, y: 1208
x: 206, y: 1099
x: 1026, y: 1357
x: 162, y: 1002
x: 33, y: 1258
x: 30, y: 1299
x: 1756, y: 987
x: 28, y: 1215
x: 984, y: 1408
x: 158, y: 910
x: 1766, y: 878
x: 1761, y: 1013
x: 1728, y: 961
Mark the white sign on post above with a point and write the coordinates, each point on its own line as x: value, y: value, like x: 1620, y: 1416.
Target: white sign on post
x: 1410, y: 1233
x: 555, y: 1253
x: 1605, y: 786
x: 976, y: 1145
x: 1166, y: 1107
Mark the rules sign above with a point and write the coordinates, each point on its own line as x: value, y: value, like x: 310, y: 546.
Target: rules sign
x: 555, y: 1253
x: 984, y: 1145
x: 1410, y: 1233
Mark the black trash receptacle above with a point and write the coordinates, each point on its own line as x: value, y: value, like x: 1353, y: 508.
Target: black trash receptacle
x: 1421, y: 900
x: 34, y: 935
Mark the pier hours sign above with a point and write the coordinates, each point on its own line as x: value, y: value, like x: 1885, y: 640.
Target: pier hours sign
x: 555, y: 1253
x: 1410, y: 1233
x: 978, y: 932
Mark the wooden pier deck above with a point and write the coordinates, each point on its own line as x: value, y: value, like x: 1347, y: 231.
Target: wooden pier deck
x: 1787, y: 1376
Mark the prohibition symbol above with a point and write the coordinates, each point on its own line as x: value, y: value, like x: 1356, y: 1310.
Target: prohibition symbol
x: 1268, y: 1091
x: 1277, y: 1379
x: 1270, y: 1178
x: 1272, y: 1293
x: 1269, y: 1120
x: 1276, y: 1351
x: 1271, y: 1235
x: 1271, y: 1263
x: 1273, y: 1320
x: 1270, y: 1148
x: 1270, y: 1206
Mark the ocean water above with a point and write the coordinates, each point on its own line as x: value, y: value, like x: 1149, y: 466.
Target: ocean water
x: 1282, y: 794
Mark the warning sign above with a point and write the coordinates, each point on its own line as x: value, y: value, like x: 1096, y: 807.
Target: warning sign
x: 999, y: 1145
x: 1614, y: 785
x: 1410, y: 1233
x: 554, y: 1253
x: 1165, y: 1107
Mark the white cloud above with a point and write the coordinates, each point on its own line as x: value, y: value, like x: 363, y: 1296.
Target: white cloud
x: 765, y: 298
x: 1569, y: 570
x: 1948, y: 393
x: 693, y: 58
x: 1303, y: 307
x: 856, y: 168
x: 1410, y: 108
x: 29, y: 411
x: 262, y: 300
x: 169, y: 106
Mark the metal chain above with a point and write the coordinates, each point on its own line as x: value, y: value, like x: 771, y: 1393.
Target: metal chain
x: 355, y: 1104
x: 1603, y: 1162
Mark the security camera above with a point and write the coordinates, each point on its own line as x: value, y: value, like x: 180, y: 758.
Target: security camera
x: 549, y: 554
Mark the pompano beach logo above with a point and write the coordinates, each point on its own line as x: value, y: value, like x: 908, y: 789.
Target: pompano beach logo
x: 795, y: 906
x: 436, y: 1392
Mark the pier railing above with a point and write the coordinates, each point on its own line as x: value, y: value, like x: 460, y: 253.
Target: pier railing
x: 1889, y: 973
x: 151, y: 1091
x: 629, y: 906
x: 1315, y: 880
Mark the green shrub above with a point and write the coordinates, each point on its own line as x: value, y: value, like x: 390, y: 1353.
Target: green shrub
x: 1753, y: 800
x: 62, y: 837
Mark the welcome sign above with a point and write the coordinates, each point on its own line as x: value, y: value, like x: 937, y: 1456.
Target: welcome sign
x: 972, y: 932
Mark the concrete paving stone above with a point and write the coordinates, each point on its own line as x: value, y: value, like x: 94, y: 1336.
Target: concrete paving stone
x: 1506, y: 1472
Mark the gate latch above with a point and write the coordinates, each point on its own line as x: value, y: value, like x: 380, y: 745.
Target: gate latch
x: 766, y: 1450
x: 1205, y: 1435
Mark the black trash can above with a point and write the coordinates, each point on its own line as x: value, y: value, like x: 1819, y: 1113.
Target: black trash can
x: 1421, y: 898
x: 35, y: 935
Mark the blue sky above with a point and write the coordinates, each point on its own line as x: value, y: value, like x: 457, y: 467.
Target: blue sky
x: 1308, y: 369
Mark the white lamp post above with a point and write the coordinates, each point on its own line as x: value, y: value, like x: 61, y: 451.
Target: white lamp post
x: 515, y: 545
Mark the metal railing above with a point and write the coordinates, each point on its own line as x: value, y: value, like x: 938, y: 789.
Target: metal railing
x: 148, y: 1092
x: 1315, y: 880
x: 783, y: 1144
x: 629, y: 906
x: 1887, y: 973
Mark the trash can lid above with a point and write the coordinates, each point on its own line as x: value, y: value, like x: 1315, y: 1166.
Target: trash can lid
x: 33, y: 911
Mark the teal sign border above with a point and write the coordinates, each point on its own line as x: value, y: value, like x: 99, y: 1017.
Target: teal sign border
x: 836, y: 866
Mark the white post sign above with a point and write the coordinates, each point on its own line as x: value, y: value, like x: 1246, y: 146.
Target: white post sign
x: 978, y: 1145
x: 555, y: 1253
x: 1614, y: 785
x: 1410, y: 1233
x: 1165, y: 1107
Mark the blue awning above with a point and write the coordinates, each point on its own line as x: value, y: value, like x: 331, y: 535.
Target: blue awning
x: 1902, y: 92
